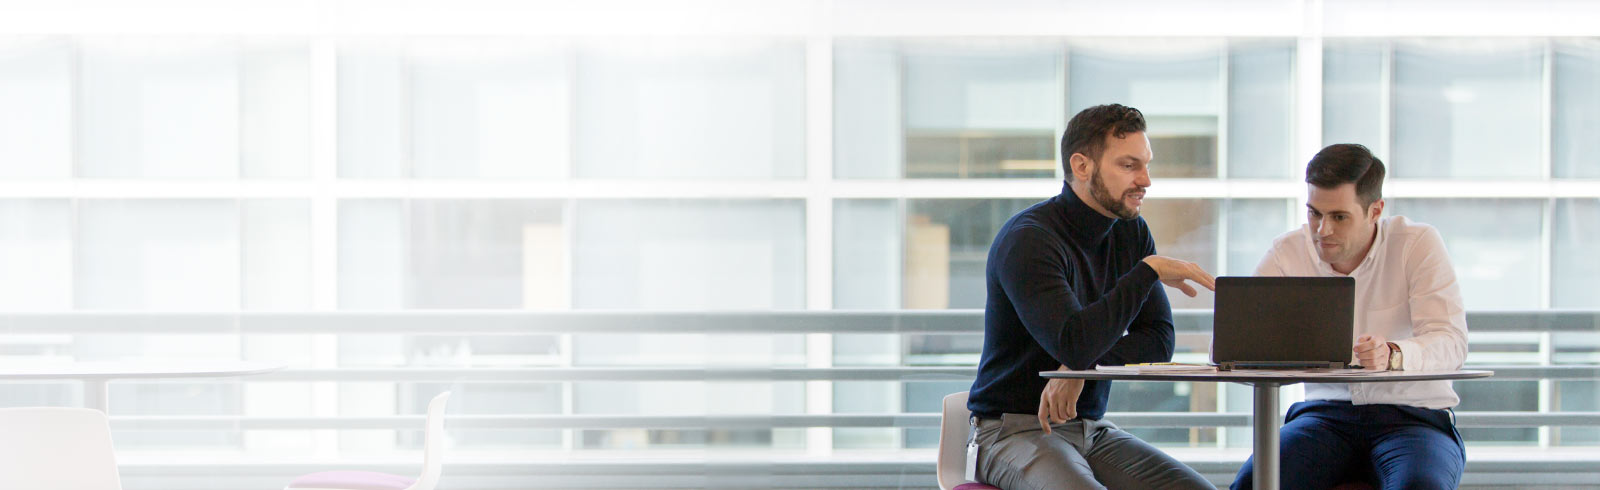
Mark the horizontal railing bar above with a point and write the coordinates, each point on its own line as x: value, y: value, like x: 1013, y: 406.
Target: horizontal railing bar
x: 625, y: 374
x: 629, y: 374
x: 513, y: 322
x: 899, y: 420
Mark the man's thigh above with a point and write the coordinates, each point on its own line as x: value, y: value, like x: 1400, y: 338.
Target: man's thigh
x: 1315, y: 451
x: 1418, y: 457
x: 1120, y: 460
x: 1015, y: 454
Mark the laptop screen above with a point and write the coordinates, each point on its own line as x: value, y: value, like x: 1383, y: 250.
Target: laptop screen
x: 1283, y: 320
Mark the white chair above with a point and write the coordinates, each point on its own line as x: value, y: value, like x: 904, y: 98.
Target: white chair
x: 432, y: 463
x: 57, y: 448
x: 953, y: 429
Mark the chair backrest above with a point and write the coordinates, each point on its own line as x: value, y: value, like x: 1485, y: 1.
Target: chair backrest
x: 433, y: 444
x: 59, y: 448
x: 953, y: 429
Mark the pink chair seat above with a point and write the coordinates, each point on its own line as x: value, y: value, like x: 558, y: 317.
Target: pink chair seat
x: 975, y: 486
x: 353, y: 480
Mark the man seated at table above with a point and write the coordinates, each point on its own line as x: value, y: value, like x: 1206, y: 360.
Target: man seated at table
x: 1074, y: 281
x: 1408, y: 317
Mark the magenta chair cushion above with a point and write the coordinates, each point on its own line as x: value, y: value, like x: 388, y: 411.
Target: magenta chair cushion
x: 975, y: 486
x: 353, y: 480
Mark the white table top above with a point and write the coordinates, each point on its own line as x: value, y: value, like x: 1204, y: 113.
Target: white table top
x: 1279, y: 376
x: 134, y: 369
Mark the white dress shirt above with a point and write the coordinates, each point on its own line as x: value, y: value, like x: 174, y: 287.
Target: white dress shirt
x: 1405, y: 291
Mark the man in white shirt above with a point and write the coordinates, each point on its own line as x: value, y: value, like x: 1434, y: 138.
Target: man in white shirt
x: 1408, y: 316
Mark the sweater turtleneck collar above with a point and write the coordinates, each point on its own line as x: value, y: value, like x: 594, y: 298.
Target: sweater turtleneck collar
x: 1088, y: 226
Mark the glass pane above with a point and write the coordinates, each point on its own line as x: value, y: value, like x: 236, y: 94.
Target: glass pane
x: 276, y: 258
x: 36, y: 110
x: 928, y: 397
x: 1577, y: 396
x: 866, y: 254
x: 943, y: 350
x: 1165, y: 397
x: 173, y: 398
x: 1252, y: 225
x: 1575, y: 347
x: 1498, y: 396
x: 372, y: 240
x: 159, y: 109
x: 372, y: 143
x: 946, y: 249
x: 1175, y: 83
x: 975, y: 112
x: 485, y: 399
x: 157, y: 254
x: 275, y: 105
x: 1468, y: 109
x: 489, y: 109
x: 1186, y: 229
x: 721, y: 350
x: 1352, y: 94
x: 502, y: 254
x: 1261, y: 110
x: 1575, y: 109
x: 868, y: 397
x: 1503, y: 347
x: 1573, y: 263
x: 867, y: 265
x: 36, y: 255
x: 689, y: 255
x: 442, y: 349
x: 719, y: 111
x: 866, y: 110
x: 1493, y: 243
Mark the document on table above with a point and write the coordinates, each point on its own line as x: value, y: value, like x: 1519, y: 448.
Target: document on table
x: 1158, y: 368
x: 1339, y: 372
x: 1310, y: 373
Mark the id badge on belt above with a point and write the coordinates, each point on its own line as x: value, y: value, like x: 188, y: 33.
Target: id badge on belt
x: 972, y: 452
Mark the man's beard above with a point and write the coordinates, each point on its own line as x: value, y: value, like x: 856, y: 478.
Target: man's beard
x: 1102, y: 195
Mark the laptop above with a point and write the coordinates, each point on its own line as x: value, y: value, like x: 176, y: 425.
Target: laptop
x: 1283, y: 322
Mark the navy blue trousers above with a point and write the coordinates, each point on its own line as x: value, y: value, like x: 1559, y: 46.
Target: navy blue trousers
x: 1326, y: 443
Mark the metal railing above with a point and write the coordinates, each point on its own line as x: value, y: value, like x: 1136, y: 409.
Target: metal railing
x: 777, y: 322
x: 910, y: 468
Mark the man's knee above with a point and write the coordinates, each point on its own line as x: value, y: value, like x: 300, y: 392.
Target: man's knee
x: 1121, y: 460
x: 1423, y: 480
x: 1243, y: 481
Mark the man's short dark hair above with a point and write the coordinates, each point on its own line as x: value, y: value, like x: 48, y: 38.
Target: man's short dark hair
x: 1348, y: 163
x: 1087, y: 132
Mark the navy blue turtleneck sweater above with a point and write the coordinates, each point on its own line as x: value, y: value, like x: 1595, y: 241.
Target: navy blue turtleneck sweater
x: 1067, y: 286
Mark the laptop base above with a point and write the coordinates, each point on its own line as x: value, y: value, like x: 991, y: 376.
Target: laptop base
x: 1234, y: 365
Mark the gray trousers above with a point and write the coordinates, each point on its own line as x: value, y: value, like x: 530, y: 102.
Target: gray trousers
x: 1015, y: 454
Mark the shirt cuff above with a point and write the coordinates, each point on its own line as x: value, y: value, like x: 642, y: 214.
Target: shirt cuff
x: 1143, y: 273
x: 1410, y: 355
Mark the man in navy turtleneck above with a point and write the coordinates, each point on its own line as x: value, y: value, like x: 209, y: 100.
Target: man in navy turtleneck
x: 1072, y: 283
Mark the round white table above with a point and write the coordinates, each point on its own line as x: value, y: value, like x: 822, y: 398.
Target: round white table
x: 1264, y: 417
x: 95, y: 374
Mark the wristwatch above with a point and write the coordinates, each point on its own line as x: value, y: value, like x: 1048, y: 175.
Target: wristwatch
x: 1396, y: 362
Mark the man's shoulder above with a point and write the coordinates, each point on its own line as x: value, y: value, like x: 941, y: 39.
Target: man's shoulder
x: 1404, y: 228
x: 1403, y: 237
x: 1027, y: 229
x: 1033, y: 219
x: 1293, y: 241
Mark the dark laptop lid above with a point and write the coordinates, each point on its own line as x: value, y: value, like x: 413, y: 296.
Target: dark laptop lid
x: 1283, y: 321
